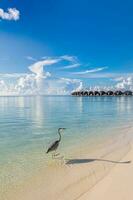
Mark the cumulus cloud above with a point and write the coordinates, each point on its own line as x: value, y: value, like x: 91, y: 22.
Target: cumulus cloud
x: 60, y: 86
x: 125, y: 83
x: 38, y: 81
x: 90, y: 71
x: 11, y: 14
x: 3, y: 86
x: 26, y: 85
x: 72, y: 84
x: 29, y: 85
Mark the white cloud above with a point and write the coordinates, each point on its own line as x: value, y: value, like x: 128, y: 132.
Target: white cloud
x: 30, y: 85
x: 38, y: 67
x: 72, y: 59
x: 125, y: 83
x: 30, y: 58
x: 3, y: 85
x: 38, y: 81
x: 13, y: 75
x: 11, y: 14
x: 74, y: 63
x: 72, y: 66
x: 26, y: 85
x: 101, y: 87
x: 61, y: 86
x: 90, y: 71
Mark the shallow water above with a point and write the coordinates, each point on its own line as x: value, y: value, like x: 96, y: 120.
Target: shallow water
x: 28, y: 125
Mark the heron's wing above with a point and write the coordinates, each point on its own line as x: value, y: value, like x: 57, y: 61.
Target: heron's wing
x: 53, y: 146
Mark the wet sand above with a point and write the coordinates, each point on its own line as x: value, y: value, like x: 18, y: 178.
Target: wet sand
x: 89, y: 176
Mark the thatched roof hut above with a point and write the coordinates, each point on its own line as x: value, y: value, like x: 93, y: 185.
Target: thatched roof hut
x: 86, y: 93
x: 102, y: 93
x: 78, y: 93
x: 110, y: 93
x: 74, y: 93
x: 96, y: 93
x: 91, y: 93
x: 119, y: 93
x: 129, y: 93
x: 81, y: 93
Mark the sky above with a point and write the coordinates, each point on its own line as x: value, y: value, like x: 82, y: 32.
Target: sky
x: 57, y: 46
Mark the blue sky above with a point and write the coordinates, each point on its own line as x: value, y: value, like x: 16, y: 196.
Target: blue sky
x: 97, y: 34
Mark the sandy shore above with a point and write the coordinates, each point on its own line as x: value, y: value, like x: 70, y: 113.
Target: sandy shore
x: 87, y: 177
x: 117, y: 185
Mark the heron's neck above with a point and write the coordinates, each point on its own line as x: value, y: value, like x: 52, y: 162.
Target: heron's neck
x: 59, y: 135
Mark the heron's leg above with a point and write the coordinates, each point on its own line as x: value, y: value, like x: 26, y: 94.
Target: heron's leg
x: 53, y: 155
x: 63, y: 160
x: 57, y: 154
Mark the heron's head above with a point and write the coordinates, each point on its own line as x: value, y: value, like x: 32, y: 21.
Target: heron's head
x: 61, y: 129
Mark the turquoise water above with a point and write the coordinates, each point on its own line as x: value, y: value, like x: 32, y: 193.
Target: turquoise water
x: 29, y: 124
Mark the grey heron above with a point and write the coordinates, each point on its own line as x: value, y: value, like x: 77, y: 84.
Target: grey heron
x: 54, y: 145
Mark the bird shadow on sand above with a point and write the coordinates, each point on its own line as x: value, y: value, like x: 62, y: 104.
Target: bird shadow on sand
x: 83, y: 161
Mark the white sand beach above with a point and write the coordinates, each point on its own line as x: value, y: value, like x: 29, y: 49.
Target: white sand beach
x: 117, y: 185
x: 83, y: 179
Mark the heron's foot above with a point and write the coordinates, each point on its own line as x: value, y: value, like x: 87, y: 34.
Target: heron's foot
x: 55, y: 156
x: 61, y: 158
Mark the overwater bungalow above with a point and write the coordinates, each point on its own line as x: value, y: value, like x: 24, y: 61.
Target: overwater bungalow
x: 74, y: 93
x: 110, y: 93
x: 86, y: 93
x: 118, y: 93
x: 96, y: 93
x: 128, y: 93
x: 102, y: 93
x: 91, y: 93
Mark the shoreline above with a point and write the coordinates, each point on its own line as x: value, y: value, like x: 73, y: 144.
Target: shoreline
x: 78, y: 176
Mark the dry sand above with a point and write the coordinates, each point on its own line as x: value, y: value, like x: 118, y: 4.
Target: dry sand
x: 117, y: 185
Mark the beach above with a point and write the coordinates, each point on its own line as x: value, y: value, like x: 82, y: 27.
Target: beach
x: 83, y: 180
x: 117, y: 185
x: 96, y: 142
x: 87, y: 177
